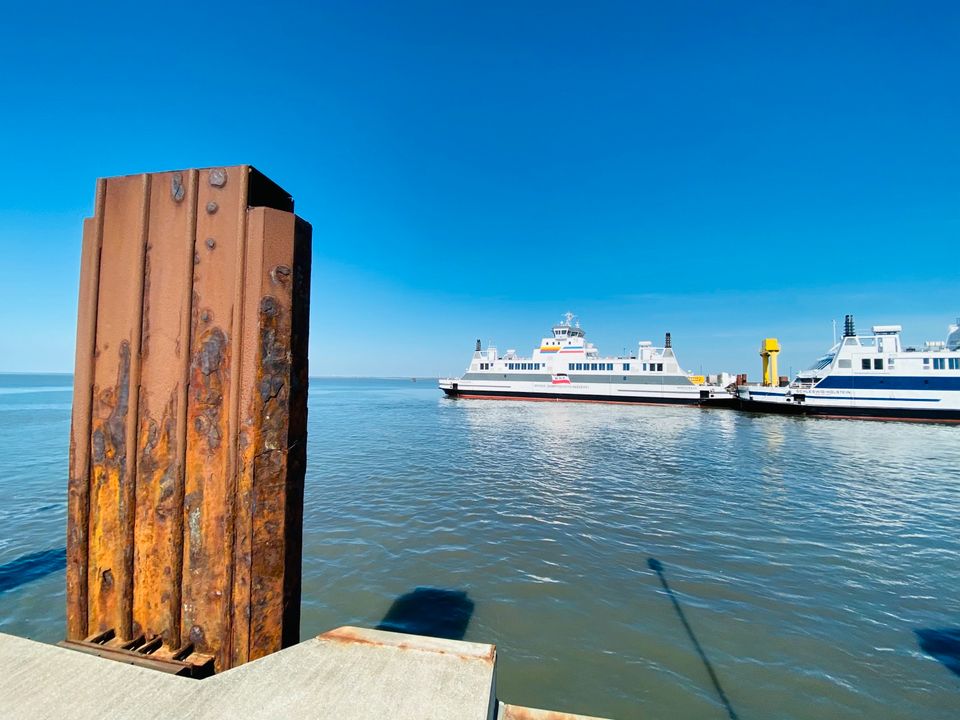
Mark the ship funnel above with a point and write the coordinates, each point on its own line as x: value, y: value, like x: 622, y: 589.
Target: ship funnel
x: 478, y: 345
x: 848, y: 328
x: 666, y: 341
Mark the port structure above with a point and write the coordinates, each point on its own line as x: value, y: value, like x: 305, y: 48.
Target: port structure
x: 769, y: 350
x: 188, y: 436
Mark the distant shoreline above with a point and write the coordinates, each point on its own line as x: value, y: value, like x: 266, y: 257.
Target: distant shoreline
x: 312, y: 377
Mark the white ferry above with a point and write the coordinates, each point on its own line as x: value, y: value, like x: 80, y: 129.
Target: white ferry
x: 871, y: 376
x: 567, y: 367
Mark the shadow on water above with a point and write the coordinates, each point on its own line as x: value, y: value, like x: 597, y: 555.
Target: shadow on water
x: 34, y: 566
x: 657, y: 567
x: 430, y: 611
x: 942, y: 644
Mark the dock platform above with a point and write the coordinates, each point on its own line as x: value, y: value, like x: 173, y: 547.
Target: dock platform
x: 349, y: 673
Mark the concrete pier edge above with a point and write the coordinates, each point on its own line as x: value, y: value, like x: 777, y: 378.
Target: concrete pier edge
x: 348, y: 673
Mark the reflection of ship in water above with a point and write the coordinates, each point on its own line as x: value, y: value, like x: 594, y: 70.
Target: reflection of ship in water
x: 558, y: 426
x: 567, y: 367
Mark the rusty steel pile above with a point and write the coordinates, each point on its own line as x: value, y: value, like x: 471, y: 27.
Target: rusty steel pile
x: 188, y: 440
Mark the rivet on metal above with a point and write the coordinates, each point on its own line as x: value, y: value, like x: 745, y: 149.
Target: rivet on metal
x: 176, y: 187
x: 268, y: 306
x: 218, y: 177
x: 212, y: 207
x: 211, y: 243
x: 280, y: 273
x: 205, y: 315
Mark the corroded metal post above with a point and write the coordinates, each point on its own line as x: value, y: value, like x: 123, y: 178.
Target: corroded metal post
x: 188, y: 442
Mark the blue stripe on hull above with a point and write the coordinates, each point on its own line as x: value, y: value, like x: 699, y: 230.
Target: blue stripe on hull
x: 890, y: 382
x: 847, y: 398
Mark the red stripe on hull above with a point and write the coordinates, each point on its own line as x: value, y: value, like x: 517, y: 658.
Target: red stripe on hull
x: 467, y: 396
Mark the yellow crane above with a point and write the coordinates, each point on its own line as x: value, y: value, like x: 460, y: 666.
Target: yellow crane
x: 769, y: 349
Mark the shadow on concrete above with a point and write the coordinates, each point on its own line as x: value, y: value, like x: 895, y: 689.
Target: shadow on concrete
x: 30, y: 567
x: 434, y: 612
x: 657, y: 567
x: 942, y: 644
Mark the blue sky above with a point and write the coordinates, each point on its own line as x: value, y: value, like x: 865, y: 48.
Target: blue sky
x: 724, y: 171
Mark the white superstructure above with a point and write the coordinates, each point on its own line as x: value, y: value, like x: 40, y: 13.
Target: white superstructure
x: 872, y: 376
x: 567, y: 367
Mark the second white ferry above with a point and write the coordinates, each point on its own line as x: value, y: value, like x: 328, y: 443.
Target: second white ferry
x: 871, y: 376
x: 567, y: 367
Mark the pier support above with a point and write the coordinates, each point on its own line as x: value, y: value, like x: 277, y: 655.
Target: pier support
x: 188, y: 438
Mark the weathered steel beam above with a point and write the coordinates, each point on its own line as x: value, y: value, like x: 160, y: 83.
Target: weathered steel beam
x: 189, y: 421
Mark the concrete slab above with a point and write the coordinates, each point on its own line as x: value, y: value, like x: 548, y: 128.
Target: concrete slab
x: 348, y: 674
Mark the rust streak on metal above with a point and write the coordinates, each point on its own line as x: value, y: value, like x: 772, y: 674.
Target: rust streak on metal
x: 209, y: 484
x: 218, y: 178
x: 361, y: 636
x: 266, y: 424
x: 129, y: 489
x: 515, y: 712
x: 117, y: 337
x: 78, y: 488
x: 160, y: 448
x: 184, y: 358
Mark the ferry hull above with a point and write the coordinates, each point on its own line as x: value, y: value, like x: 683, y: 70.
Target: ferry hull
x: 468, y: 394
x: 861, y: 413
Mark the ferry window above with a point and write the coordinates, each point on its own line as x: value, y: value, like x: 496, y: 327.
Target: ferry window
x: 659, y: 367
x: 926, y: 363
x: 939, y: 363
x: 626, y: 366
x: 570, y: 366
x: 891, y: 362
x: 844, y: 364
x: 955, y: 363
x: 593, y: 366
x: 609, y: 366
x: 865, y: 364
x: 878, y: 364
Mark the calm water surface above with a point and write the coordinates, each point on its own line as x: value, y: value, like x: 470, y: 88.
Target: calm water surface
x: 805, y: 566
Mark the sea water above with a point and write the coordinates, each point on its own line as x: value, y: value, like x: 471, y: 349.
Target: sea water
x: 627, y: 561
